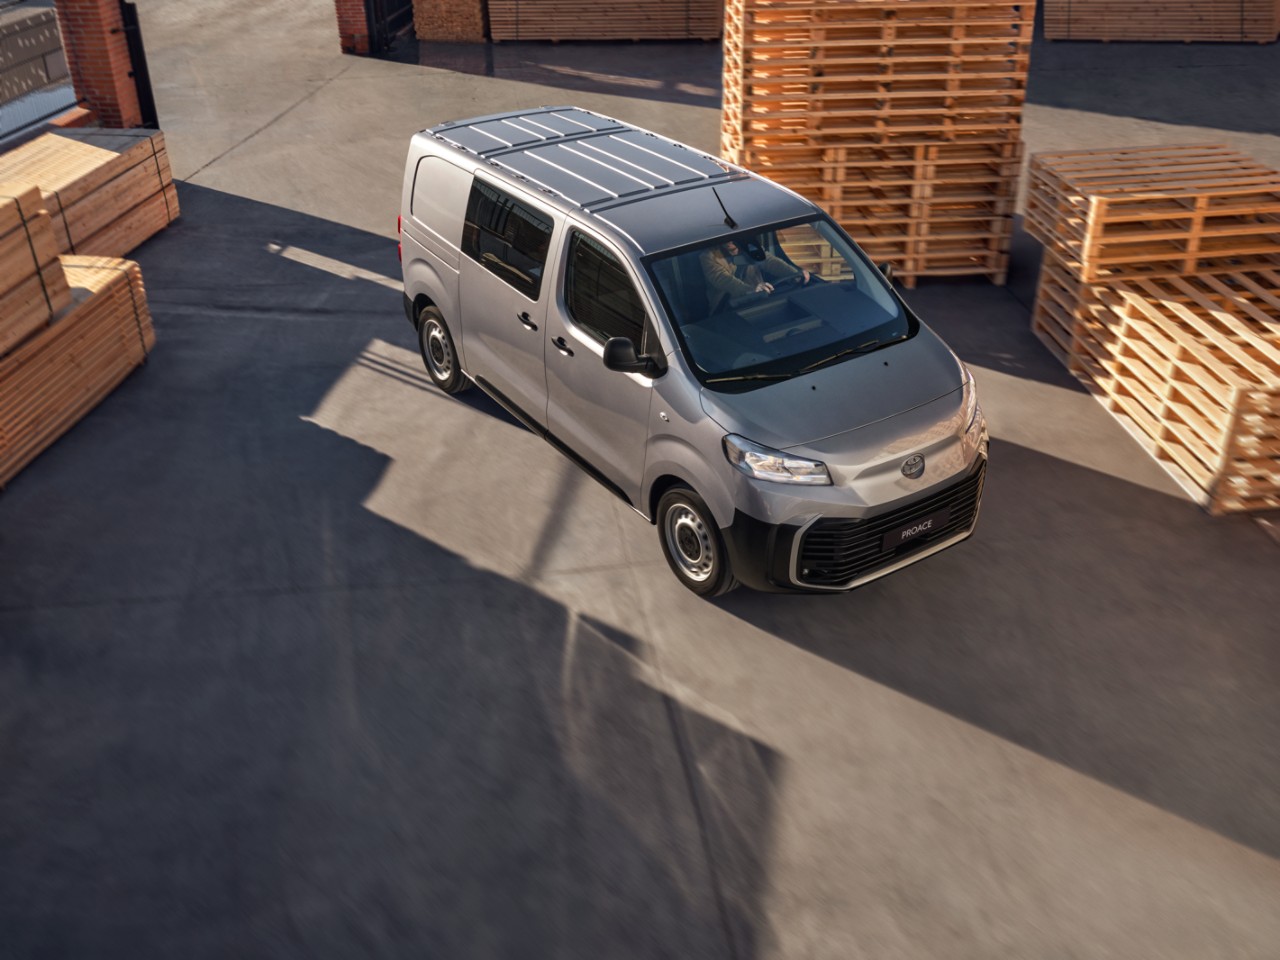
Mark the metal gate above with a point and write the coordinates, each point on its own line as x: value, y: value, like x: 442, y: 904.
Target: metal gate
x: 386, y: 18
x: 138, y: 60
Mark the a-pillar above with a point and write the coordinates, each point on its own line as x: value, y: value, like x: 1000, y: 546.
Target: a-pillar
x: 353, y: 26
x: 98, y: 57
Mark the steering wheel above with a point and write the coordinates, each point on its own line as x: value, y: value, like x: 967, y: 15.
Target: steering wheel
x: 786, y: 283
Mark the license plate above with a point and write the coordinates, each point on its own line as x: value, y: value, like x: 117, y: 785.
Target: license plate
x: 922, y: 527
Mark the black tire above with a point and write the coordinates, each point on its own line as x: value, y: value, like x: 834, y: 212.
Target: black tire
x: 692, y: 543
x: 435, y: 343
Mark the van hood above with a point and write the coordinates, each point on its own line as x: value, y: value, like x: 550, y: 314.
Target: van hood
x: 841, y: 397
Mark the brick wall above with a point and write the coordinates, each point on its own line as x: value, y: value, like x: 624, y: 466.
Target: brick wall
x: 453, y: 20
x: 353, y: 26
x: 98, y: 57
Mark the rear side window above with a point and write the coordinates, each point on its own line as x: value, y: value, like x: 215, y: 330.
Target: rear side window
x: 506, y: 238
x: 599, y: 293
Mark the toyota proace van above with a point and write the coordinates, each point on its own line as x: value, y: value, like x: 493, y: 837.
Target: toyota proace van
x: 705, y: 343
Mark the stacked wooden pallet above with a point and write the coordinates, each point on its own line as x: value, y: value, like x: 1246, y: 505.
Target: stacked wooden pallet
x: 106, y: 190
x: 604, y: 20
x: 1160, y: 290
x: 56, y: 376
x: 33, y: 286
x: 902, y: 116
x: 1232, y: 21
x: 455, y: 21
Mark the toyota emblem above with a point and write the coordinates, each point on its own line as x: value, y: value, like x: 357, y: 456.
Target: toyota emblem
x: 913, y: 467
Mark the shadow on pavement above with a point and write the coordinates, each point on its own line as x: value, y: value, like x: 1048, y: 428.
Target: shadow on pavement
x: 643, y: 69
x: 243, y: 715
x: 1224, y: 86
x: 1051, y: 628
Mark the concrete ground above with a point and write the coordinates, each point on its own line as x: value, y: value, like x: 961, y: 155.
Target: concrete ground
x: 301, y: 658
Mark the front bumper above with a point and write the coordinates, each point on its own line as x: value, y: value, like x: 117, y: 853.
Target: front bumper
x: 830, y: 554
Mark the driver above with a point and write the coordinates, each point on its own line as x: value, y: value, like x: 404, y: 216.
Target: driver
x: 731, y: 274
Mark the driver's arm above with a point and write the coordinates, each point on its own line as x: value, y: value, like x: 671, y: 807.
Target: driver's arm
x: 720, y: 279
x: 775, y: 268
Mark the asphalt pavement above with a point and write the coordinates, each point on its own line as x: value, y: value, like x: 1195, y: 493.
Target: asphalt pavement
x: 300, y: 657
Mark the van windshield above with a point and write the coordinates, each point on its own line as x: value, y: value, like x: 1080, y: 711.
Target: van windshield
x: 770, y: 304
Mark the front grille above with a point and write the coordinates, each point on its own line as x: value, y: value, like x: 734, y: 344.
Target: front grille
x: 835, y: 551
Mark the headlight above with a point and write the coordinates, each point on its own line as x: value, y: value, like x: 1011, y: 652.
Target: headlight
x: 970, y: 401
x: 765, y: 463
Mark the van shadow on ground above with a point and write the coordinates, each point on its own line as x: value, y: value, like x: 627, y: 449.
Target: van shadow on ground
x: 1118, y: 631
x: 240, y: 714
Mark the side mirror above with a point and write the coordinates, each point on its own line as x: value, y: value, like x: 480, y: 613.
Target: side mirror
x: 887, y: 270
x: 620, y: 354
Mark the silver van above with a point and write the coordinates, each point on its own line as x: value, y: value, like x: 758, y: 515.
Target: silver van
x: 705, y: 343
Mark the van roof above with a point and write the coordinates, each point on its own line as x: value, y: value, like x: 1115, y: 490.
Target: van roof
x: 653, y: 191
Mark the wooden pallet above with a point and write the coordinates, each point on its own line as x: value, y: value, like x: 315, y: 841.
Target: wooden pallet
x: 61, y: 373
x: 604, y: 20
x: 902, y: 118
x: 1154, y: 211
x: 33, y: 286
x: 1231, y: 21
x: 873, y: 72
x: 1191, y: 365
x: 107, y: 191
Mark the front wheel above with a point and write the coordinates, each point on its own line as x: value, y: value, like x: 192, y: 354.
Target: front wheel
x: 692, y: 543
x: 438, y: 354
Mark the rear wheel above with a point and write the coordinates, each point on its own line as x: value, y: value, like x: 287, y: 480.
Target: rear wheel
x: 438, y: 354
x: 692, y: 543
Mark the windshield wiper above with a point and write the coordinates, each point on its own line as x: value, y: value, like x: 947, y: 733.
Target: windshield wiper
x: 751, y: 376
x: 847, y: 352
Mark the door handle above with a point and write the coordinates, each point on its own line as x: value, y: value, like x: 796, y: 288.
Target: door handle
x: 524, y: 318
x: 560, y: 344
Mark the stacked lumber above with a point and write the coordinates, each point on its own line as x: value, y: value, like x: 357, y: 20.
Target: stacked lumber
x: 605, y: 20
x: 902, y: 117
x: 33, y: 286
x: 1230, y: 21
x: 106, y: 190
x: 59, y: 374
x: 455, y: 21
x: 1160, y: 291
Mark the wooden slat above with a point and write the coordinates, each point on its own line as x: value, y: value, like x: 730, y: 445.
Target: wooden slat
x: 1232, y: 21
x: 56, y: 376
x: 92, y: 179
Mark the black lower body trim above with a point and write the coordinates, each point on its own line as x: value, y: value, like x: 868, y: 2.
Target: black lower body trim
x: 408, y: 311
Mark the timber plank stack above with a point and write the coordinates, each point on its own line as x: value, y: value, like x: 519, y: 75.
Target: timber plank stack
x: 33, y: 286
x: 902, y: 118
x: 1160, y: 291
x: 455, y: 21
x: 1228, y: 21
x: 605, y: 20
x: 56, y: 376
x: 106, y: 190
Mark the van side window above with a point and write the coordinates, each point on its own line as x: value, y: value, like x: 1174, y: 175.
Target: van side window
x: 599, y: 293
x: 506, y: 238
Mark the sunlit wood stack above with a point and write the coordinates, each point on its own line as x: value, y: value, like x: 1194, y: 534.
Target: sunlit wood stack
x: 1142, y: 212
x: 1192, y: 365
x: 458, y: 21
x: 57, y: 375
x: 1231, y: 21
x: 605, y: 20
x: 1160, y: 291
x: 902, y: 118
x: 33, y: 286
x: 107, y: 191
